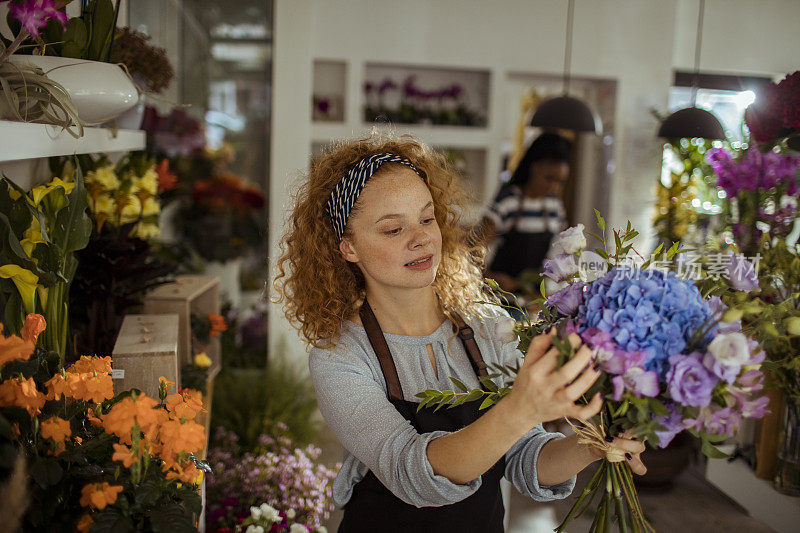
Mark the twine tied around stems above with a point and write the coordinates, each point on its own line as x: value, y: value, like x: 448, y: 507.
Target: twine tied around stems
x: 594, y: 435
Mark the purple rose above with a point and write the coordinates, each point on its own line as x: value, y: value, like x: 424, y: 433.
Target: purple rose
x: 567, y: 299
x: 673, y: 424
x: 688, y: 381
x: 561, y: 267
x: 742, y: 273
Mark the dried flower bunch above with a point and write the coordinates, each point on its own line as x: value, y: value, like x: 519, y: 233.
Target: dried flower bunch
x: 132, y: 49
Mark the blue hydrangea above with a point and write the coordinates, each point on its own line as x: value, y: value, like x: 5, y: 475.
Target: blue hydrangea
x: 649, y: 311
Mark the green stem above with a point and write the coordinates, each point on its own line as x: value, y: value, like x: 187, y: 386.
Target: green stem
x: 587, y: 490
x: 625, y: 470
x: 622, y: 516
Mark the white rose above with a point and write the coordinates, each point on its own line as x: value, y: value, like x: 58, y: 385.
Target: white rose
x: 730, y: 349
x: 269, y: 512
x: 297, y: 528
x: 254, y: 529
x: 255, y: 512
x: 569, y: 241
x: 504, y: 329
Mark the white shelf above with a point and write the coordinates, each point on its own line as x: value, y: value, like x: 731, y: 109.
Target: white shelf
x: 22, y: 141
x: 757, y: 496
x: 447, y: 136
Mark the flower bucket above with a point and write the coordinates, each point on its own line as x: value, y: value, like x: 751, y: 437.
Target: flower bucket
x: 787, y: 477
x: 100, y: 91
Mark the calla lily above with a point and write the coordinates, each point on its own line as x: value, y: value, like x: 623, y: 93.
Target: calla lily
x: 43, y: 190
x: 25, y: 280
x: 31, y: 237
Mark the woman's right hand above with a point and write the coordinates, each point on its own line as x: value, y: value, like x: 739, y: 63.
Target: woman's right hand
x: 542, y: 392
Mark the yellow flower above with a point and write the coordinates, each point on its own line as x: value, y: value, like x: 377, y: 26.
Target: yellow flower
x: 43, y: 190
x: 105, y: 176
x: 105, y: 205
x: 202, y: 360
x: 146, y: 231
x: 31, y: 237
x: 150, y: 207
x: 149, y: 181
x: 129, y: 207
x: 25, y: 280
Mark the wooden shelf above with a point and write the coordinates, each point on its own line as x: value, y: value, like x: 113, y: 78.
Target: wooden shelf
x: 757, y: 496
x: 23, y: 140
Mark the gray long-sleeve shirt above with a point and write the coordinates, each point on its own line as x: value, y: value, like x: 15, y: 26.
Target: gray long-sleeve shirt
x: 352, y: 397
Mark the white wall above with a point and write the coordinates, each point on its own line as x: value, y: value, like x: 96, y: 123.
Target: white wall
x: 636, y: 42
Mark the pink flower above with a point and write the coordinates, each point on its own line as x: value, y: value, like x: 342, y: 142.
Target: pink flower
x: 34, y: 14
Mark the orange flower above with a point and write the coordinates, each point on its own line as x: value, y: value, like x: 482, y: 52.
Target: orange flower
x: 129, y: 411
x: 166, y: 179
x: 124, y: 454
x: 185, y: 405
x: 218, y: 325
x: 99, y: 495
x: 188, y: 472
x: 88, y: 365
x: 56, y: 429
x: 56, y: 387
x: 177, y: 437
x: 34, y: 325
x: 93, y: 420
x: 98, y: 388
x: 22, y: 393
x: 84, y: 524
x: 13, y: 347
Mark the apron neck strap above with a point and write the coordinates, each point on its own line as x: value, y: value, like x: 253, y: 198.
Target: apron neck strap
x: 381, y: 348
x: 378, y: 342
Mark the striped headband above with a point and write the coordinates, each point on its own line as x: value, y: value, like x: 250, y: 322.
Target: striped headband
x: 344, y: 195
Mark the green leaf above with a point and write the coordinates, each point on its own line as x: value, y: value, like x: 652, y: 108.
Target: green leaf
x: 488, y: 383
x: 473, y: 395
x: 111, y: 520
x: 596, y: 236
x: 46, y: 472
x: 170, y: 519
x: 76, y: 39
x: 73, y: 227
x: 542, y: 288
x: 711, y: 451
x: 488, y: 402
x: 102, y: 29
x: 459, y: 384
x: 601, y: 222
x: 602, y: 253
x: 658, y: 408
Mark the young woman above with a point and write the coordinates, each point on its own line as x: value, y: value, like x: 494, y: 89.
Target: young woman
x: 528, y: 211
x: 376, y: 276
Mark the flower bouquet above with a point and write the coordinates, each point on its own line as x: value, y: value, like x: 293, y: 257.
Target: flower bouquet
x: 669, y: 361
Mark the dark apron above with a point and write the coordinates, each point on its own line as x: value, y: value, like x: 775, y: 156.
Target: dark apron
x: 522, y: 251
x: 373, y: 507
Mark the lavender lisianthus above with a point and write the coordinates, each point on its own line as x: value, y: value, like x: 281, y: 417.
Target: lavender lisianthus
x: 718, y: 309
x: 726, y: 373
x: 561, y: 267
x: 731, y: 349
x: 688, y: 381
x: 568, y: 299
x: 639, y: 381
x: 741, y: 273
x: 672, y: 423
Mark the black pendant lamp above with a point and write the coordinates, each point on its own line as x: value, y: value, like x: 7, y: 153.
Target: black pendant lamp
x: 564, y: 111
x: 693, y: 121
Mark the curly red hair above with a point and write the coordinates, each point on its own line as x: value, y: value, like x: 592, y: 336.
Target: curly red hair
x: 320, y: 289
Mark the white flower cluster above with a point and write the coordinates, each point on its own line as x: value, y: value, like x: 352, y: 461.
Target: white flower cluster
x: 264, y: 516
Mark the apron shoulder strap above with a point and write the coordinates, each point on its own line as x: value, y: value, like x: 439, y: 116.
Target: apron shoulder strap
x: 378, y: 342
x: 467, y: 337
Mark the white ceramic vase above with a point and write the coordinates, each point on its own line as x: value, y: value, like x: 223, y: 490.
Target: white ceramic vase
x: 100, y: 91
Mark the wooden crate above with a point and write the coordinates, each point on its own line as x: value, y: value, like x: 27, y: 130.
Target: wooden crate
x: 188, y: 294
x: 146, y: 348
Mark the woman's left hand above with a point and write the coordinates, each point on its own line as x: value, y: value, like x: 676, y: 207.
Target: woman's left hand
x: 624, y: 448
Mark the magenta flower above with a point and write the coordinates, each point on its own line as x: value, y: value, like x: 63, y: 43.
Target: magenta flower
x: 689, y: 382
x: 34, y: 14
x: 636, y: 379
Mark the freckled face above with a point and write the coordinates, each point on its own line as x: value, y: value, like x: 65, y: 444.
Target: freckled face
x: 394, y: 237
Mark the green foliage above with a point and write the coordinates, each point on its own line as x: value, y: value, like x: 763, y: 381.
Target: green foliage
x: 249, y: 401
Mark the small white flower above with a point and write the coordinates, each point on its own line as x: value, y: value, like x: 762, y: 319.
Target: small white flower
x: 255, y: 512
x: 730, y: 349
x: 290, y: 514
x: 254, y: 529
x: 569, y: 241
x: 322, y: 529
x: 504, y: 329
x: 269, y: 512
x: 297, y: 528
